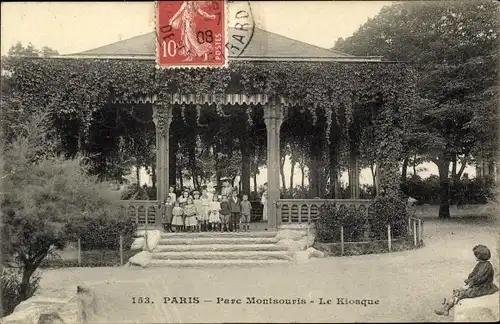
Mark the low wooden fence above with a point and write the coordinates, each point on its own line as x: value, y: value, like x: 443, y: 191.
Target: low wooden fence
x: 75, y: 254
x: 416, y: 229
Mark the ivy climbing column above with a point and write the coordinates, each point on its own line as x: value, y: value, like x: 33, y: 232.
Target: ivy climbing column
x: 162, y: 117
x: 273, y: 117
x: 354, y: 172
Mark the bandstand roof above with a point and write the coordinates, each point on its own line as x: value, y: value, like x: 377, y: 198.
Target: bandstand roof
x: 264, y: 45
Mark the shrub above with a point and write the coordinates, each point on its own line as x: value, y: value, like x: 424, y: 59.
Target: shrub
x: 331, y: 219
x: 388, y: 210
x: 104, y: 233
x: 11, y: 286
x: 327, y: 224
x: 353, y: 221
x: 42, y: 195
x: 464, y: 192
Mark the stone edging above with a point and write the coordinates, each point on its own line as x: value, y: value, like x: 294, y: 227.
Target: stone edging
x: 65, y: 307
x: 299, y: 243
x: 479, y: 309
x: 144, y: 243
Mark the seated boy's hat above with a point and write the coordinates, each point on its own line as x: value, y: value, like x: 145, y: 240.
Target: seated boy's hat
x: 196, y: 192
x: 482, y: 252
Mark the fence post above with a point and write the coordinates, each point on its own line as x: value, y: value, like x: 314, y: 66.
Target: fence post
x: 79, y: 252
x: 414, y: 232
x: 121, y: 249
x: 421, y: 234
x: 389, y: 236
x: 342, y: 240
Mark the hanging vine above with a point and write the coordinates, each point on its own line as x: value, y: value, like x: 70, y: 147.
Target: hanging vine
x: 81, y: 87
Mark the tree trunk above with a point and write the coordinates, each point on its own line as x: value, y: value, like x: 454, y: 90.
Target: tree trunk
x: 138, y: 175
x: 25, y: 282
x: 255, y: 183
x: 292, y: 166
x: 256, y: 171
x: 454, y: 167
x: 444, y: 184
x: 415, y: 165
x: 153, y: 176
x: 245, y: 162
x: 218, y: 172
x: 374, y: 178
x: 282, y: 171
x: 405, y: 168
x: 314, y: 167
x: 353, y: 171
x: 462, y: 168
x: 303, y: 174
x: 334, y: 171
x: 181, y: 181
x: 322, y: 181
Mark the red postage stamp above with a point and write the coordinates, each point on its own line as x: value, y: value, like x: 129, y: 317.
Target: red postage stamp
x: 191, y: 33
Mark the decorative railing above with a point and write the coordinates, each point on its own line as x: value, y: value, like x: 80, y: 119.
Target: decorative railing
x: 145, y: 213
x: 307, y: 210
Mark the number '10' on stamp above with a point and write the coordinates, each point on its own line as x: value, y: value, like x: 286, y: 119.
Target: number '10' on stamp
x: 191, y: 33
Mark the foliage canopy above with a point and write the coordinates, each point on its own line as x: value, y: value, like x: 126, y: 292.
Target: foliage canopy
x: 76, y: 89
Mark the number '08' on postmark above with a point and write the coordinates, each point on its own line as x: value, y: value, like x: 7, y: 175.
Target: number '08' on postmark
x: 191, y: 34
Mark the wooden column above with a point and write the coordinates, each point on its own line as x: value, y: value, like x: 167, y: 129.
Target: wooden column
x: 273, y: 117
x: 162, y: 117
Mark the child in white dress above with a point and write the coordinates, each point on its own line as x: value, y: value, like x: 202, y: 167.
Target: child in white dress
x: 177, y: 221
x: 205, y: 219
x: 214, y: 218
x: 191, y: 220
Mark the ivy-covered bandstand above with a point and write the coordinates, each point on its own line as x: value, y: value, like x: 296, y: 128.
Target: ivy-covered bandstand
x: 275, y: 76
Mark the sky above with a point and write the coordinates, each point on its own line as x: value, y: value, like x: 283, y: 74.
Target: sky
x: 72, y: 27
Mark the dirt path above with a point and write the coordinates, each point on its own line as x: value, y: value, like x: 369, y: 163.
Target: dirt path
x: 408, y: 285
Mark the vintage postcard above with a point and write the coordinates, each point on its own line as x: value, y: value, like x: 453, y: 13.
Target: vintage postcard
x: 249, y: 162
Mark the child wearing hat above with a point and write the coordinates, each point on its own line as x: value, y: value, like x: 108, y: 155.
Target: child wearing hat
x: 479, y: 283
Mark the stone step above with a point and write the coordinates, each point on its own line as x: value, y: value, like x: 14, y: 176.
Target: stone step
x: 219, y: 247
x: 260, y: 234
x: 215, y: 263
x: 216, y: 240
x: 225, y: 255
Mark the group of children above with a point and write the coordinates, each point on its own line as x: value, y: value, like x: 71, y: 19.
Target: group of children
x: 193, y: 212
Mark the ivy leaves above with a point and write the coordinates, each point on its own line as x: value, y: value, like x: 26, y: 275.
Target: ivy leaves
x: 78, y: 88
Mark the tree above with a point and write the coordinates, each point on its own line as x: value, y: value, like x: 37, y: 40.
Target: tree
x: 453, y: 45
x: 41, y: 197
x: 19, y: 50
